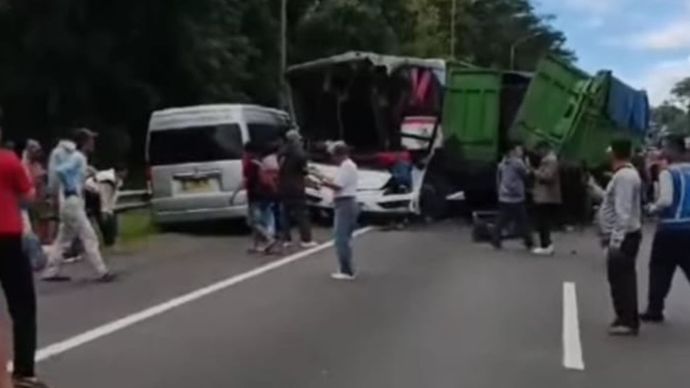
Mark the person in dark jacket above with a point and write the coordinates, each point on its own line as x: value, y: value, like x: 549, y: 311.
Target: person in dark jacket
x: 292, y: 186
x: 512, y: 178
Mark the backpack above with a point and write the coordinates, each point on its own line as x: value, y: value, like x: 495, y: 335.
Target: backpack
x: 268, y: 170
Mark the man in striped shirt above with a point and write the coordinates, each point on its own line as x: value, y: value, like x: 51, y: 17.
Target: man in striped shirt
x: 620, y: 223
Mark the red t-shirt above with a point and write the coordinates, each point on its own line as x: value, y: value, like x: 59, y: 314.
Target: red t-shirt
x: 14, y: 183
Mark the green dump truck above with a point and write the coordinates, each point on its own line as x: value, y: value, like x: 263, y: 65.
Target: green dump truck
x: 576, y: 113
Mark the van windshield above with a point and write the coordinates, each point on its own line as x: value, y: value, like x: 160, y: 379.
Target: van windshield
x: 195, y: 144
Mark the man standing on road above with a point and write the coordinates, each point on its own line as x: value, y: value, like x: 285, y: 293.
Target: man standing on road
x: 671, y: 245
x: 512, y: 178
x: 293, y: 173
x: 15, y: 269
x: 71, y: 172
x: 547, y: 197
x: 346, y: 209
x: 621, y: 223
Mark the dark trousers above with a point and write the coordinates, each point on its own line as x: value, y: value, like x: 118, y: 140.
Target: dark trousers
x: 516, y: 214
x: 295, y: 211
x: 546, y: 215
x: 107, y: 223
x: 18, y: 284
x: 622, y: 276
x: 670, y: 250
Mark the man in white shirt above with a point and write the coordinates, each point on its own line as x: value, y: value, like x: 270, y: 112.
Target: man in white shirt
x: 346, y: 209
x: 621, y: 223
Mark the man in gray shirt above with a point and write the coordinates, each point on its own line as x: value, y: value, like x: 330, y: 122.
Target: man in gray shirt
x: 512, y: 178
x: 620, y: 225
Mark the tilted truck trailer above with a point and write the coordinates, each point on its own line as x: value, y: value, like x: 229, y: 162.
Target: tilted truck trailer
x: 576, y: 113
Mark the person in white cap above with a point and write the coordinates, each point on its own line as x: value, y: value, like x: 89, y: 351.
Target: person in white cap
x: 346, y: 209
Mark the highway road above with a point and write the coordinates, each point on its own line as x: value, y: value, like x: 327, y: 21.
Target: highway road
x: 429, y: 309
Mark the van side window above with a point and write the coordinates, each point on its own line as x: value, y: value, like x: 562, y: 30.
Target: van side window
x: 195, y: 144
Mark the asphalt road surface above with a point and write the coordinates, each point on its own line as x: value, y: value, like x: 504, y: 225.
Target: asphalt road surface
x: 429, y: 309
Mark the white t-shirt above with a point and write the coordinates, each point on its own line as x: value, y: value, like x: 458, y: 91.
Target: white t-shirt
x: 346, y: 178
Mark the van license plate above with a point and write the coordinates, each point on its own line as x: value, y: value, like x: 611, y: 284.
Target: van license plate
x: 196, y: 186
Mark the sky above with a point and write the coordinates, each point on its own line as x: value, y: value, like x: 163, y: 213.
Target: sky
x: 645, y: 42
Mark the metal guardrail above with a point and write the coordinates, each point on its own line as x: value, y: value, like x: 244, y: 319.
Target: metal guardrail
x: 132, y: 199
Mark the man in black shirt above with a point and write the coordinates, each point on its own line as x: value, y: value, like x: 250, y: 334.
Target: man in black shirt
x: 292, y: 184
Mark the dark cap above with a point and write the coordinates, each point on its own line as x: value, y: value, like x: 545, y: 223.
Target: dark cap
x: 81, y: 135
x: 621, y: 149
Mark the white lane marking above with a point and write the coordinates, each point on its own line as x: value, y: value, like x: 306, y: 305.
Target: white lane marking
x: 572, y: 346
x: 120, y: 324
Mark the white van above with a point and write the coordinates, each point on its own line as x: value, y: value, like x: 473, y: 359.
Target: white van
x: 195, y: 154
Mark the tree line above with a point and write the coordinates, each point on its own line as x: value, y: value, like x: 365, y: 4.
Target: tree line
x: 673, y: 115
x: 107, y: 64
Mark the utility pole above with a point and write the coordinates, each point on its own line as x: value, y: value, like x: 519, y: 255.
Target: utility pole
x: 517, y: 43
x: 453, y: 13
x: 283, y: 54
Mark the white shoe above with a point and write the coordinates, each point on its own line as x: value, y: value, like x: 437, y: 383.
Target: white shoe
x: 549, y: 251
x: 309, y: 244
x: 342, y: 276
x: 287, y: 244
x: 72, y: 260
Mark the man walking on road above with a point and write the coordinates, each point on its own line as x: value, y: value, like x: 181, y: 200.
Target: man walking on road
x: 293, y: 173
x: 346, y: 209
x: 547, y: 197
x: 71, y: 171
x: 621, y: 223
x: 15, y: 269
x: 512, y: 179
x: 671, y: 247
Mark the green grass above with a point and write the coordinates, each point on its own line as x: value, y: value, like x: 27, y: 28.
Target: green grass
x: 136, y: 226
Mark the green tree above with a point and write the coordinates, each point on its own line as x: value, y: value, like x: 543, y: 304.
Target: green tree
x: 489, y: 30
x: 335, y: 26
x: 681, y: 91
x: 108, y: 64
x: 426, y: 33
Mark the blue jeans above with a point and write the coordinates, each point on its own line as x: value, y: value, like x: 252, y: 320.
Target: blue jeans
x: 345, y: 223
x: 262, y: 219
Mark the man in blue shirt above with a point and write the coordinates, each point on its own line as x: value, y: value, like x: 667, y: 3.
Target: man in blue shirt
x: 68, y: 171
x: 672, y: 239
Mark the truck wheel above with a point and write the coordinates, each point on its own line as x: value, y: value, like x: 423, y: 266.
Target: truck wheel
x: 432, y: 202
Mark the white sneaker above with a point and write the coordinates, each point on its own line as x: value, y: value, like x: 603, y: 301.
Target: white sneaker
x: 287, y: 244
x: 549, y: 251
x: 309, y: 244
x: 72, y: 260
x: 342, y: 276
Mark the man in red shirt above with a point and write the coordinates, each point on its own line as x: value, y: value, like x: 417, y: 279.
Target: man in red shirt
x: 16, y: 276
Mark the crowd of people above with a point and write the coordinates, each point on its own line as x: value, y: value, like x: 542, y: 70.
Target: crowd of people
x: 49, y: 204
x: 632, y: 192
x: 276, y: 177
x: 56, y: 204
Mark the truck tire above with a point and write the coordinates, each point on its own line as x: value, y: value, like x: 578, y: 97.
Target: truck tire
x: 433, y: 205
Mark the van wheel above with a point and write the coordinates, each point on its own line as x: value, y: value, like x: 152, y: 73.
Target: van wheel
x: 322, y: 217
